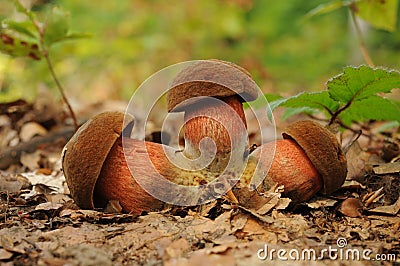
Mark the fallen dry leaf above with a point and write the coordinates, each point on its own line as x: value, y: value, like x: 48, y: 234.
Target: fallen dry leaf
x: 388, y: 168
x: 318, y: 203
x: 356, y: 161
x: 390, y: 210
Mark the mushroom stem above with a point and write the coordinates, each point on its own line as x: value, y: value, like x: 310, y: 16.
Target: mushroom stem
x: 116, y: 182
x: 222, y: 121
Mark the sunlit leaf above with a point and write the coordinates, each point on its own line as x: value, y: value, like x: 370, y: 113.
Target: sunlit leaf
x: 357, y: 83
x: 380, y: 14
x: 315, y: 100
x: 371, y: 108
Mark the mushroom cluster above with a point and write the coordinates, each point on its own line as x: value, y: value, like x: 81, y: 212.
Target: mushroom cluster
x: 97, y: 160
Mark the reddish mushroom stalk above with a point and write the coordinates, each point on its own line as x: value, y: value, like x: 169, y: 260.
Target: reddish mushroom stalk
x: 223, y: 122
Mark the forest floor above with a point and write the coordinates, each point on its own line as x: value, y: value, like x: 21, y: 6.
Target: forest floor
x: 41, y: 225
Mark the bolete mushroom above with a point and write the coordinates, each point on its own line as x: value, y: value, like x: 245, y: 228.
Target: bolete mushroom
x: 211, y: 93
x: 309, y: 159
x: 96, y: 170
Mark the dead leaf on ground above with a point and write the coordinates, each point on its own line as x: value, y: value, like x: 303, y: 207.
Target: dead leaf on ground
x: 356, y: 160
x: 390, y: 210
x: 318, y: 203
x: 388, y: 168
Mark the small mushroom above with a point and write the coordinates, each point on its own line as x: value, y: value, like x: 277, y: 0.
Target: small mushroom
x: 309, y: 159
x: 351, y: 207
x: 85, y: 153
x: 220, y: 118
x: 323, y: 150
x: 96, y: 170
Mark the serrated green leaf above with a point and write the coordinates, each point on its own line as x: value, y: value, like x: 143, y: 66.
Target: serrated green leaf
x: 372, y: 108
x: 315, y: 100
x: 57, y: 26
x: 380, y: 14
x: 306, y: 102
x: 263, y: 101
x: 357, y: 83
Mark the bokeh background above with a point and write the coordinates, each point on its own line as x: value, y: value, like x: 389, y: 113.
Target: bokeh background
x: 132, y: 39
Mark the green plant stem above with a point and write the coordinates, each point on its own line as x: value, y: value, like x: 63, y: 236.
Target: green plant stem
x: 339, y: 111
x: 60, y: 89
x: 363, y: 47
x: 51, y: 68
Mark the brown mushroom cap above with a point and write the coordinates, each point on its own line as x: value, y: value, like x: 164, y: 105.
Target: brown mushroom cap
x: 212, y: 78
x: 84, y: 155
x: 324, y: 151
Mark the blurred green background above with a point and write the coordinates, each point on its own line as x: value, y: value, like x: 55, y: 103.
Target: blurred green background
x: 133, y: 39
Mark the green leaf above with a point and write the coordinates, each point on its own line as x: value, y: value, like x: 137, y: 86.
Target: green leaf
x: 14, y: 46
x: 56, y: 27
x: 357, y: 83
x: 307, y: 102
x: 274, y: 100
x: 73, y: 37
x: 380, y: 14
x: 315, y: 100
x: 262, y: 101
x: 325, y: 8
x: 25, y: 28
x: 18, y: 39
x: 372, y: 108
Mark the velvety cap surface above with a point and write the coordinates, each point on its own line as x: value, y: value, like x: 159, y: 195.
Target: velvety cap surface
x: 324, y: 151
x: 212, y: 78
x: 84, y: 155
